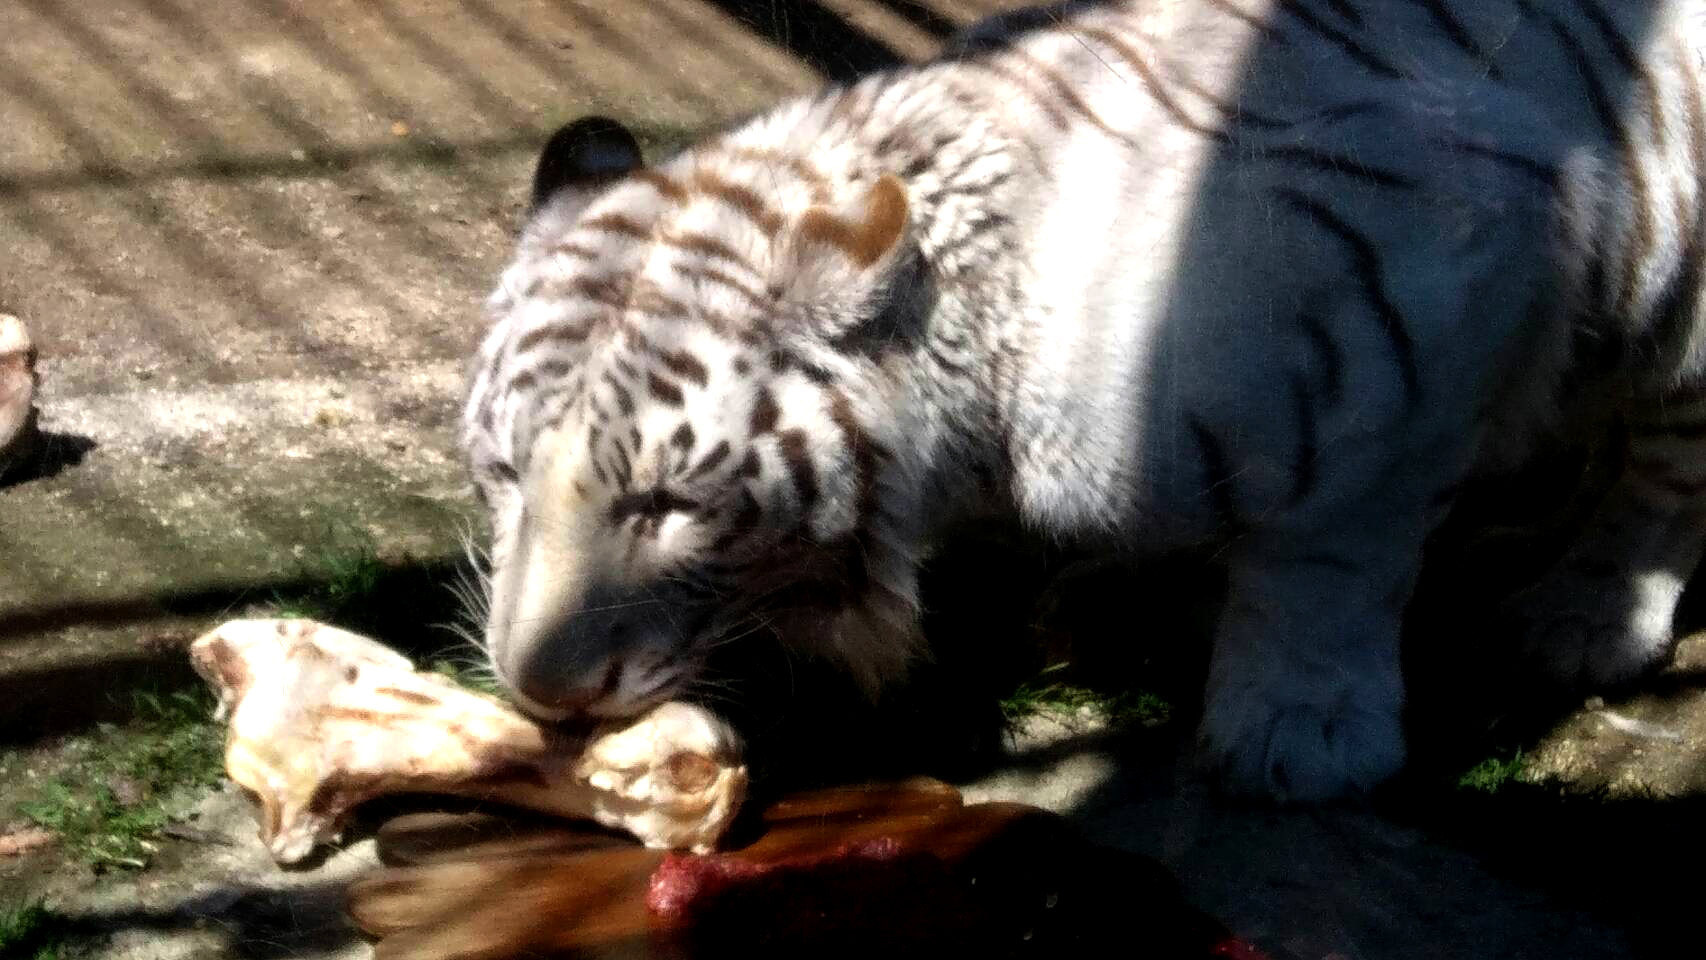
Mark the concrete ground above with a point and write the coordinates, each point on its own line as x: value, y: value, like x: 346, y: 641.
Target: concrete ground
x: 250, y: 238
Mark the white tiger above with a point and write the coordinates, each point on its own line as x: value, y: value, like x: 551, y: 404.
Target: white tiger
x: 1276, y: 273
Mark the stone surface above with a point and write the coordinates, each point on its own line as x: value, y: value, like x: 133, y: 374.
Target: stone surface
x: 1648, y: 744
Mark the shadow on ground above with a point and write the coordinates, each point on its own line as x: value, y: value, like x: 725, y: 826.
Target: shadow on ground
x: 817, y: 35
x: 244, y: 923
x: 54, y: 454
x: 410, y: 605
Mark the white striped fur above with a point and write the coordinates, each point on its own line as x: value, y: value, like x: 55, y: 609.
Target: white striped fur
x: 1277, y: 274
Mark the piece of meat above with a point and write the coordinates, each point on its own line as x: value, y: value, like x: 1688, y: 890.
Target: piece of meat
x: 681, y: 882
x: 870, y: 896
x: 888, y: 871
x: 322, y: 720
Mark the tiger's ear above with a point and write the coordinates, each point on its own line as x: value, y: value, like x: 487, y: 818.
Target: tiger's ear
x: 847, y: 249
x: 584, y: 155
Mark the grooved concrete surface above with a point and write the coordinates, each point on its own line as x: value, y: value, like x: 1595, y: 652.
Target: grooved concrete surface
x: 251, y: 237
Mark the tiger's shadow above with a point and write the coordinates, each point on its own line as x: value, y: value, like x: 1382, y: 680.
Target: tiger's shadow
x: 53, y: 453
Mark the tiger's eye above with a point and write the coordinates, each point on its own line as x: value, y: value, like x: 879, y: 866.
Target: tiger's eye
x: 653, y: 504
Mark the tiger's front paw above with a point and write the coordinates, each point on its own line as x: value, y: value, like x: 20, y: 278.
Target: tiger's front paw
x: 1586, y: 634
x: 1265, y: 743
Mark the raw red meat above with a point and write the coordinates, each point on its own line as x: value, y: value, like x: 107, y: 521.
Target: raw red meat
x: 684, y: 879
x: 862, y: 896
x: 1235, y: 949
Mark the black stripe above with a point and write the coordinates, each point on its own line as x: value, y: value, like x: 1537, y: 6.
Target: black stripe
x: 555, y: 404
x: 554, y: 368
x: 1607, y: 113
x: 753, y: 298
x: 623, y: 468
x: 866, y: 453
x: 1596, y: 280
x: 682, y: 437
x: 709, y: 462
x: 976, y: 230
x: 948, y: 366
x: 1303, y: 475
x: 1544, y: 172
x: 685, y: 366
x: 764, y: 414
x: 748, y: 514
x: 799, y: 463
x: 1344, y: 111
x: 1217, y: 475
x: 1677, y: 307
x: 812, y: 371
x: 1332, y: 359
x: 1064, y: 92
x: 1604, y: 110
x: 742, y: 525
x: 1342, y: 40
x: 1367, y: 259
x: 1458, y: 34
x: 1344, y: 9
x: 750, y: 467
x: 1153, y: 84
x: 976, y: 190
x: 1620, y: 46
x: 664, y: 391
x: 554, y: 333
x: 624, y: 399
x: 1327, y: 162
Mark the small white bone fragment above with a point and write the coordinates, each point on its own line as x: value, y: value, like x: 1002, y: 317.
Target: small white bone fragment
x: 18, y: 380
x: 322, y: 720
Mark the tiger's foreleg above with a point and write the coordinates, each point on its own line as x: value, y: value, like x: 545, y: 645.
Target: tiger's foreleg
x: 1603, y: 614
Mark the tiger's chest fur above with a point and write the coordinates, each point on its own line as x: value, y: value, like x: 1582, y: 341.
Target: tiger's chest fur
x: 1278, y: 273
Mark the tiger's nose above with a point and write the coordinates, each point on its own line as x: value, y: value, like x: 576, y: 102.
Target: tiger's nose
x: 600, y: 660
x: 558, y: 689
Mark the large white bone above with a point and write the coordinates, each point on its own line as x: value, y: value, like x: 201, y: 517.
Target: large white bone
x: 322, y: 720
x: 17, y: 390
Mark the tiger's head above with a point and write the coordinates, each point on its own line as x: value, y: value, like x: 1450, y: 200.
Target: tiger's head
x: 683, y: 421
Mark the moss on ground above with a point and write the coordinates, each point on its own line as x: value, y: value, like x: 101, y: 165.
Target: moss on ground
x: 1070, y: 703
x: 30, y: 932
x: 1494, y: 774
x: 122, y: 786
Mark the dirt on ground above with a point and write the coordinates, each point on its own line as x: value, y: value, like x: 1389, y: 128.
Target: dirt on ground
x: 250, y: 239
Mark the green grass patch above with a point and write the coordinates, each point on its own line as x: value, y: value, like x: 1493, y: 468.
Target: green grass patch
x: 346, y: 571
x: 1493, y: 774
x: 30, y: 932
x: 1069, y: 703
x: 476, y: 677
x: 350, y: 586
x: 124, y: 784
